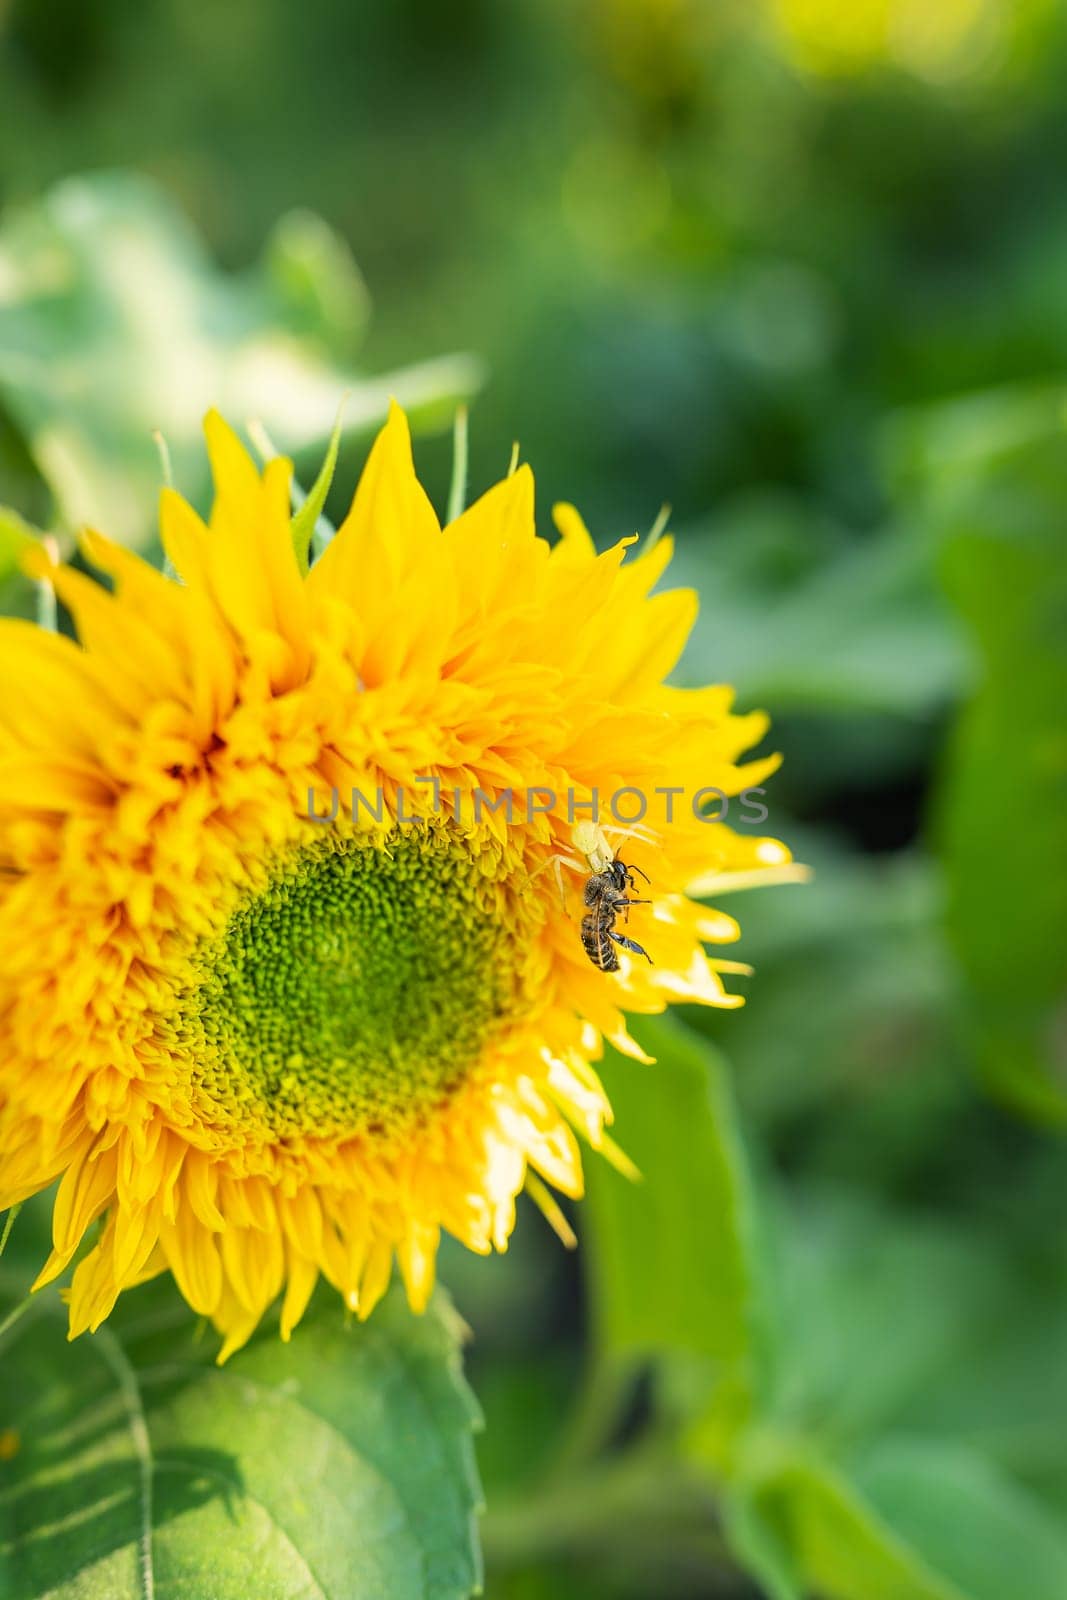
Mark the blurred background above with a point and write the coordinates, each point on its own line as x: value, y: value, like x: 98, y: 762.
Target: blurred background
x: 798, y: 267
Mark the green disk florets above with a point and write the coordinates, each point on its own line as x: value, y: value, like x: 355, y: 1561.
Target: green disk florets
x: 355, y: 991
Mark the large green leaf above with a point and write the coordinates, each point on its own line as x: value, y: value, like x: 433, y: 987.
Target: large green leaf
x: 856, y: 1481
x: 337, y: 1467
x: 847, y: 1270
x: 853, y: 1011
x: 1004, y: 1392
x: 114, y: 322
x: 803, y: 1528
x: 970, y: 1521
x: 992, y: 482
x: 672, y: 1259
x: 914, y: 1520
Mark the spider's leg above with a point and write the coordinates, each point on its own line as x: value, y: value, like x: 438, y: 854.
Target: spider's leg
x: 557, y: 863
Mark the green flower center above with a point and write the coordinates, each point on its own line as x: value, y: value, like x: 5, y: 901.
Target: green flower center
x: 357, y: 989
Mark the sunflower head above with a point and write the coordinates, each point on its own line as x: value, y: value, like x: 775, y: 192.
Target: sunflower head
x: 295, y: 865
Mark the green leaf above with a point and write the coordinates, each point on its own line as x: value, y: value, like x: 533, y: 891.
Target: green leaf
x: 1002, y: 1390
x: 889, y: 1330
x: 673, y: 1258
x: 317, y: 288
x: 915, y: 1520
x: 813, y: 1531
x: 760, y: 1547
x: 970, y: 1521
x: 337, y: 1466
x: 115, y: 323
x: 848, y: 1269
x: 853, y: 1009
x: 992, y: 483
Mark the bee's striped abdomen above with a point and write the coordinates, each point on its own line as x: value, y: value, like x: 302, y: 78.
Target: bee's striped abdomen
x: 597, y: 945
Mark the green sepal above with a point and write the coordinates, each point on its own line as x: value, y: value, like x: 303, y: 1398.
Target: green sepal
x: 305, y: 519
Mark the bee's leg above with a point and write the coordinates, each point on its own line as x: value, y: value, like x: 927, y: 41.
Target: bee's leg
x: 629, y: 944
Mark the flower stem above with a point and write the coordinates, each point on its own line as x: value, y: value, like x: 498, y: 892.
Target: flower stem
x: 457, y: 494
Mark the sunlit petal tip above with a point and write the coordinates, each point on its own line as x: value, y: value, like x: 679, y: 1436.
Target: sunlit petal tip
x: 619, y: 1159
x: 96, y: 546
x: 232, y: 467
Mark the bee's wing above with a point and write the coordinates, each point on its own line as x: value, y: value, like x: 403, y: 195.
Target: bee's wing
x: 603, y: 914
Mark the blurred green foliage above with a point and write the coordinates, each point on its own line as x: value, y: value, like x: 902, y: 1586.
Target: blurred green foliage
x: 799, y: 269
x: 114, y: 327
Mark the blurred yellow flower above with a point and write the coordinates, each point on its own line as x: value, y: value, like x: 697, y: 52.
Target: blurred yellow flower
x: 839, y: 37
x: 261, y: 1048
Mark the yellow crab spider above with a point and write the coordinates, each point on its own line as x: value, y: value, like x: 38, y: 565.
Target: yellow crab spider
x: 591, y: 841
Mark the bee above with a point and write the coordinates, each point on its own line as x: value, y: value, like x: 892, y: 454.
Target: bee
x: 605, y: 895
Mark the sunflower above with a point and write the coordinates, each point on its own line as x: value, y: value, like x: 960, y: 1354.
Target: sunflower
x: 285, y: 987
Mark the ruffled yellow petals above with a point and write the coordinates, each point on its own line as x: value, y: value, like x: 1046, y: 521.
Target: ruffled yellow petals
x: 119, y: 640
x: 136, y: 1234
x: 139, y: 631
x: 579, y: 1093
x: 95, y: 1286
x: 50, y: 783
x: 87, y: 1188
x: 60, y: 706
x: 201, y: 1189
x: 255, y: 1266
x: 548, y: 1144
x: 699, y: 985
x: 302, y: 1220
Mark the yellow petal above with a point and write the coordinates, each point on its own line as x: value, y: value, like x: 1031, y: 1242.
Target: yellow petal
x: 389, y: 521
